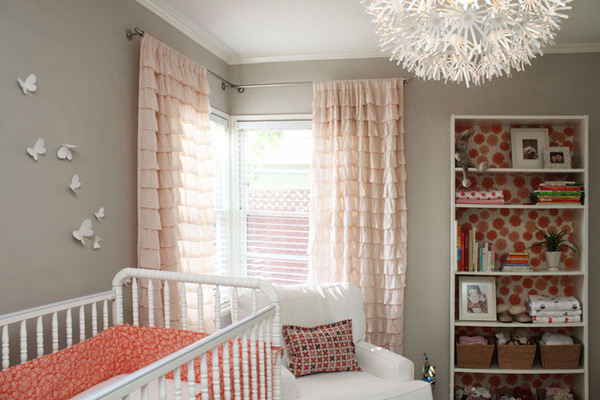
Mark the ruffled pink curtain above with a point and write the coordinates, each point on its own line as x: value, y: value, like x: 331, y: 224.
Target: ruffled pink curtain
x: 358, y: 206
x: 175, y: 177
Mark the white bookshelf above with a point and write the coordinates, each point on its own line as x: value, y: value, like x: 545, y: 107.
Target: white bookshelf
x: 577, y: 273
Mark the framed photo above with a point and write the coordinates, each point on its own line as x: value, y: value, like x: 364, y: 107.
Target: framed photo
x: 557, y: 158
x: 477, y: 298
x: 528, y: 147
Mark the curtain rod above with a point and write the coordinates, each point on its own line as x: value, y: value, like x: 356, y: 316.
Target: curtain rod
x: 239, y: 88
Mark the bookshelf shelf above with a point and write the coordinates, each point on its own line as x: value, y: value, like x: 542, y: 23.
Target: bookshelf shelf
x: 525, y: 171
x: 513, y: 325
x: 522, y: 206
x: 511, y: 227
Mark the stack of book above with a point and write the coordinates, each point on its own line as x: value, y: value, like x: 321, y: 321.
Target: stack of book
x: 471, y: 255
x: 552, y: 192
x: 514, y: 262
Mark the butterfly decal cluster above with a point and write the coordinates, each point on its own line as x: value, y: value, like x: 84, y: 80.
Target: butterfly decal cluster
x: 65, y: 152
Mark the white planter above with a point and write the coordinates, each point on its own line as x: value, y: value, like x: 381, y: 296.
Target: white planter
x: 553, y: 259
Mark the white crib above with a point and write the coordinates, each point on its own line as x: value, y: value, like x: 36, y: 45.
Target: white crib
x: 255, y: 374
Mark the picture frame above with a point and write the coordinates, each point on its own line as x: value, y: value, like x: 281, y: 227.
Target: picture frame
x: 557, y: 158
x: 477, y: 298
x: 527, y: 146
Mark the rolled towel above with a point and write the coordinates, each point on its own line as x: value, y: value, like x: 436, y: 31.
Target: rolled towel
x: 552, y: 339
x: 472, y: 340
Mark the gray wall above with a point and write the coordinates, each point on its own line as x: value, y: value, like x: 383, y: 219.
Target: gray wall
x: 554, y: 84
x: 87, y: 74
x: 87, y: 95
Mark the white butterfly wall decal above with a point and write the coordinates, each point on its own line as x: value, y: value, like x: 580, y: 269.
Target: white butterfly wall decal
x: 37, y: 149
x: 85, y: 230
x: 75, y: 183
x: 65, y: 152
x: 97, y: 240
x: 28, y: 84
x: 100, y: 213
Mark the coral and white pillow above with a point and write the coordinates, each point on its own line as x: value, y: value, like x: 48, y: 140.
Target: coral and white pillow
x: 324, y: 348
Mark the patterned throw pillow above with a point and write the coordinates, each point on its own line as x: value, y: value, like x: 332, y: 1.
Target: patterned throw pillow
x: 324, y: 348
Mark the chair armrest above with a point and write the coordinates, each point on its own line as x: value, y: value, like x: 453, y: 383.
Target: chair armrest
x: 383, y: 363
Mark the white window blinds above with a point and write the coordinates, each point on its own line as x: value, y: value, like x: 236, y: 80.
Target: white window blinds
x: 273, y: 161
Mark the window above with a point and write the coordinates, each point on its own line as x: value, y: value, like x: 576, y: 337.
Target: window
x: 262, y: 198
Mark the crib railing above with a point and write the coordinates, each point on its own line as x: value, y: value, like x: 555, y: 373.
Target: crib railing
x: 66, y: 308
x: 251, y: 377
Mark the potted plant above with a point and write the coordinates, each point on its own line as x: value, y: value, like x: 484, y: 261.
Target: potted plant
x: 554, y: 241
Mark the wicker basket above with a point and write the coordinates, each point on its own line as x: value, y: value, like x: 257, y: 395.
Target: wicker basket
x: 474, y: 355
x: 541, y: 393
x: 511, y: 356
x: 498, y: 392
x: 562, y: 356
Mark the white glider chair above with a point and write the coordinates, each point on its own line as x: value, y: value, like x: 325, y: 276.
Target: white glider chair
x: 383, y: 374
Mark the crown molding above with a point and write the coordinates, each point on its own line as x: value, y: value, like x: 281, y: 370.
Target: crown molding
x: 573, y: 48
x: 226, y: 54
x: 308, y: 57
x: 191, y: 30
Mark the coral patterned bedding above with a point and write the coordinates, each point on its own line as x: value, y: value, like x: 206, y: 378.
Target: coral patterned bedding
x: 121, y: 349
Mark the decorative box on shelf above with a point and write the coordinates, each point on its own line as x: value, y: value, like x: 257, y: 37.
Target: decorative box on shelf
x: 474, y: 355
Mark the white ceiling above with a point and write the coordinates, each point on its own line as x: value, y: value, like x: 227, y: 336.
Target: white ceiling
x: 251, y: 31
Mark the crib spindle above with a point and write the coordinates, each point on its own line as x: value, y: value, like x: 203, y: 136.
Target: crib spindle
x: 105, y: 314
x: 119, y: 304
x: 81, y: 324
x: 191, y: 380
x: 200, y: 294
x: 54, y: 332
x: 162, y: 388
x: 69, y: 328
x: 40, y: 337
x: 215, y: 374
x: 136, y: 302
x: 236, y: 369
x: 144, y: 392
x: 94, y: 319
x: 5, y: 341
x: 150, y: 303
x: 245, y: 368
x: 217, y: 308
x: 23, y: 342
x: 270, y: 360
x: 167, y: 297
x: 253, y: 299
x: 253, y: 363
x: 261, y: 360
x: 235, y: 305
x: 204, y: 377
x: 183, y: 306
x: 177, y: 383
x: 226, y: 374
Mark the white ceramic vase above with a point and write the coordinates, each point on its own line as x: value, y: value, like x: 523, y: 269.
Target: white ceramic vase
x: 553, y: 259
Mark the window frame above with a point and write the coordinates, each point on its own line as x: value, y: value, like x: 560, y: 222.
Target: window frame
x: 235, y: 213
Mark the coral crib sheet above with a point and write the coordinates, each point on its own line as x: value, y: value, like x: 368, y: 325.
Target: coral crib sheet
x: 121, y: 349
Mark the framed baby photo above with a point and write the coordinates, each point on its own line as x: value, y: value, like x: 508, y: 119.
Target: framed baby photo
x: 477, y: 298
x: 557, y: 158
x: 527, y: 146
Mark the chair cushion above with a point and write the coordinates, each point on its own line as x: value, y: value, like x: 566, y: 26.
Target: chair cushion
x: 359, y: 386
x: 325, y: 348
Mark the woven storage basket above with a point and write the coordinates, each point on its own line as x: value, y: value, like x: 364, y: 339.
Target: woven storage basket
x: 500, y: 391
x: 511, y: 356
x: 474, y: 355
x: 541, y: 394
x: 561, y: 356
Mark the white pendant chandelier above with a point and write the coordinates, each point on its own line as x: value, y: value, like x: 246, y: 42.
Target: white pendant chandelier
x: 465, y: 40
